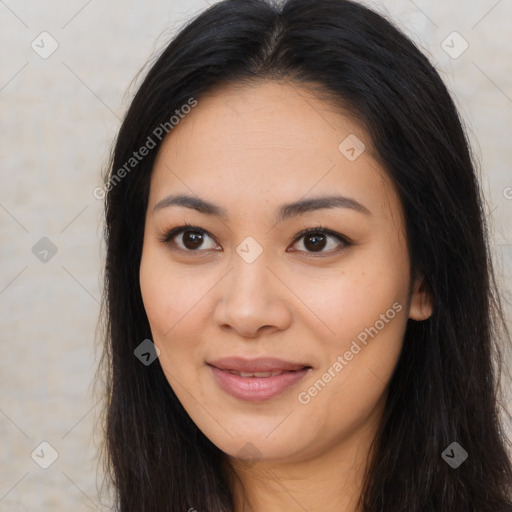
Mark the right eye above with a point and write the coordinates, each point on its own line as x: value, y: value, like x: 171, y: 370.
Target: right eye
x: 190, y: 237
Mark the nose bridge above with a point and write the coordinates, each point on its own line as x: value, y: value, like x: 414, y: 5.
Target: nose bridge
x: 250, y: 269
x: 250, y: 297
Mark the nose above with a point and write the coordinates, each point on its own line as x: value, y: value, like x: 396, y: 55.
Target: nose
x: 252, y: 299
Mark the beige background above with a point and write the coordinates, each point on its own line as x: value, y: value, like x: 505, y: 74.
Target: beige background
x: 58, y: 117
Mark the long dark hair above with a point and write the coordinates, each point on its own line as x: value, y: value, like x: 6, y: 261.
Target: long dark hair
x: 445, y: 386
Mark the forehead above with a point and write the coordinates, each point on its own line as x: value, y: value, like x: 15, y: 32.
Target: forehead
x: 272, y: 140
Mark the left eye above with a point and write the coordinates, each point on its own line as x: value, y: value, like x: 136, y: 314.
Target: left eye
x: 315, y: 240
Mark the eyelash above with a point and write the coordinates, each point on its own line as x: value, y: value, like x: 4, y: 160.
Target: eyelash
x: 169, y: 235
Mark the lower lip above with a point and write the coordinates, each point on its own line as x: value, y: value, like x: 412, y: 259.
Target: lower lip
x: 257, y: 389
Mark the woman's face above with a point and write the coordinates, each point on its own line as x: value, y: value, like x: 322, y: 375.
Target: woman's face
x: 330, y: 309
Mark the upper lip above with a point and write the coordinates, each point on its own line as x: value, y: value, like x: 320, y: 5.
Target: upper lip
x: 260, y: 364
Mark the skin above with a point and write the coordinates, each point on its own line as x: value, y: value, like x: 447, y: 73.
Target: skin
x: 249, y: 149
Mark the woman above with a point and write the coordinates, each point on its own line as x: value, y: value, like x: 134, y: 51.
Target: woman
x: 299, y: 294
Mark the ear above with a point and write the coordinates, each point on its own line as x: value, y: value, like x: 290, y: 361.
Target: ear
x: 421, y: 304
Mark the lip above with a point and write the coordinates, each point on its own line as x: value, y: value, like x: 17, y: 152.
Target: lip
x: 257, y: 389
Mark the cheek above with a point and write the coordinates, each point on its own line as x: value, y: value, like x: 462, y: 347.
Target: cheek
x: 154, y: 288
x: 347, y: 301
x: 351, y: 385
x: 364, y: 308
x: 168, y: 293
x: 175, y: 305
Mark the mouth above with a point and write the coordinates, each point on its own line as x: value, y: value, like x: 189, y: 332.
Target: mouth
x: 257, y: 380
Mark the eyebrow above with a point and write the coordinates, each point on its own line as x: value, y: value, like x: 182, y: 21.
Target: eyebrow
x: 286, y: 211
